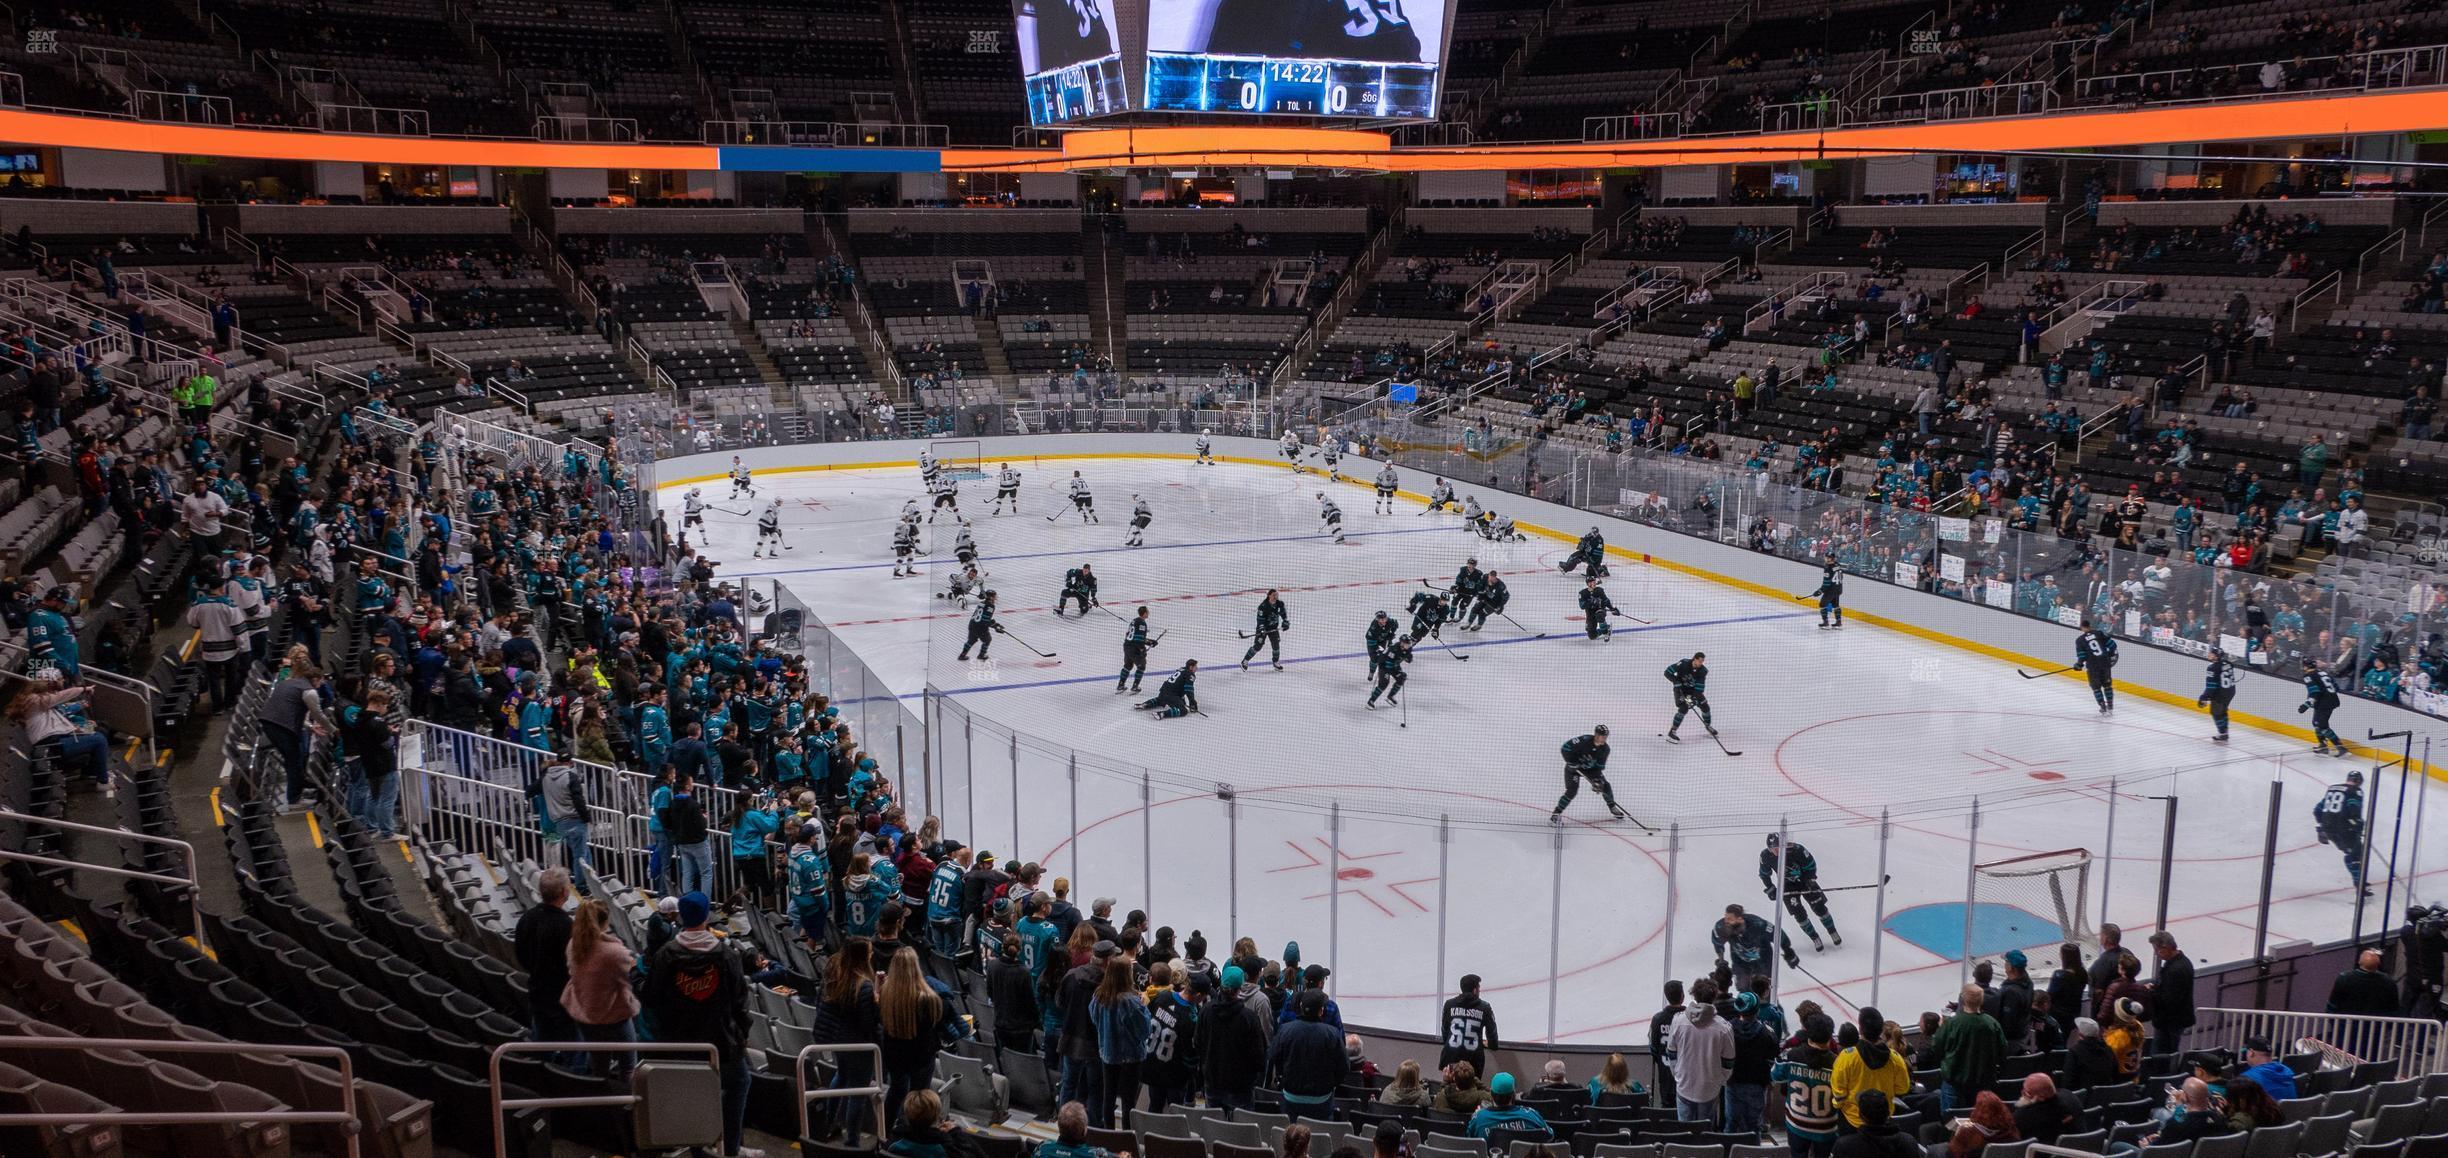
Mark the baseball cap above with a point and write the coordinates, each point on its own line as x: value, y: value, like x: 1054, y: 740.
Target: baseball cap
x: 1501, y: 1084
x: 2258, y: 1045
x: 1314, y: 975
x: 1746, y: 1003
x: 1104, y: 949
x: 985, y: 858
x: 668, y: 905
x: 1234, y: 978
x: 2015, y: 958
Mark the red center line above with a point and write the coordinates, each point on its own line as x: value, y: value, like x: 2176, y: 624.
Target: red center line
x: 1178, y: 598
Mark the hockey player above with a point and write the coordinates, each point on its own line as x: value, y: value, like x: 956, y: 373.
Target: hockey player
x: 1500, y: 529
x: 1585, y: 758
x: 1007, y: 489
x: 1081, y: 500
x: 2338, y: 820
x: 2095, y: 652
x: 1742, y: 941
x: 1178, y: 696
x: 1440, y: 496
x: 1274, y: 619
x: 928, y: 469
x: 1590, y: 550
x: 1427, y: 615
x: 692, y: 510
x: 1689, y: 678
x: 964, y: 583
x: 1330, y: 517
x: 1830, y: 592
x: 1079, y: 583
x: 946, y: 490
x: 1135, y: 644
x: 1332, y: 449
x: 910, y: 513
x: 1390, y: 676
x: 741, y: 482
x: 1206, y: 451
x: 1471, y: 511
x: 2218, y: 691
x: 905, y: 549
x: 1380, y: 637
x: 1468, y: 583
x: 1594, y: 608
x: 1291, y: 449
x: 964, y: 546
x: 1491, y: 601
x: 1801, y: 885
x: 982, y: 627
x: 1389, y: 480
x: 1141, y: 516
x: 2320, y: 699
x: 769, y: 530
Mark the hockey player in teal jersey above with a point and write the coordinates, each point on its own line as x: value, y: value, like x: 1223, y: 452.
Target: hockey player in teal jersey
x: 1689, y: 678
x: 1801, y: 885
x: 1585, y: 758
x: 1594, y: 608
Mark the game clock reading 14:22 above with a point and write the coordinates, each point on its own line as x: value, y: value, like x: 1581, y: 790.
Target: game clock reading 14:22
x: 1261, y: 85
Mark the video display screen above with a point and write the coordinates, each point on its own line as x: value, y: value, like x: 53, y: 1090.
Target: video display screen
x: 1333, y: 58
x: 1071, y: 58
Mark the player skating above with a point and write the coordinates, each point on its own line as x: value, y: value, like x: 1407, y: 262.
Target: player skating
x: 1591, y: 550
x: 1206, y: 451
x: 1141, y: 516
x: 1176, y: 697
x: 1468, y: 584
x: 946, y: 490
x: 1742, y: 942
x: 1290, y: 448
x: 2095, y: 652
x: 1440, y: 496
x: 1007, y: 490
x: 1389, y: 480
x: 1491, y: 601
x: 2321, y: 699
x: 1689, y: 679
x: 1801, y: 885
x: 1594, y: 608
x: 769, y: 530
x: 1081, y: 500
x: 1331, y: 448
x: 2338, y: 820
x: 1831, y: 593
x: 1330, y: 517
x: 1498, y: 528
x: 2218, y: 691
x: 742, y: 483
x: 1079, y: 583
x: 1388, y: 667
x: 982, y: 627
x: 1274, y: 619
x: 905, y: 549
x: 1585, y: 758
x: 1427, y: 615
x: 928, y: 469
x: 692, y: 510
x: 964, y: 546
x: 1380, y: 636
x: 1135, y: 644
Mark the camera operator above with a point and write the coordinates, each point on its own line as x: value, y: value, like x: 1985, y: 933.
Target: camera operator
x: 2423, y: 944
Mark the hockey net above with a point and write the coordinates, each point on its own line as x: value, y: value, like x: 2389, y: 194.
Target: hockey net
x: 2020, y: 897
x: 960, y: 458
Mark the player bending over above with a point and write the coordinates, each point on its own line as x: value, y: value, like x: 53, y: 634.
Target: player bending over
x: 1472, y: 512
x: 1594, y: 608
x: 1206, y: 451
x: 2321, y: 699
x: 1689, y: 678
x: 2095, y: 652
x: 1590, y: 550
x: 1389, y: 480
x: 1330, y: 517
x: 1427, y: 615
x: 2218, y: 691
x: 1390, y: 675
x: 1135, y: 644
x: 1490, y: 602
x: 1081, y: 500
x: 1380, y: 636
x: 1079, y: 583
x: 1274, y: 619
x: 769, y: 530
x: 1801, y: 884
x: 1742, y: 941
x: 1468, y: 583
x: 966, y: 582
x: 1141, y: 516
x: 1440, y: 496
x: 2338, y: 820
x: 1178, y: 696
x: 964, y: 546
x: 946, y: 490
x: 1499, y: 529
x: 982, y: 627
x: 1007, y: 489
x: 1585, y: 758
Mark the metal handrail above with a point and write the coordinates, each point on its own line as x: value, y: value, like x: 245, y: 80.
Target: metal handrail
x: 2332, y: 284
x: 501, y: 1137
x: 2363, y: 259
x: 195, y: 891
x: 345, y: 1117
x: 806, y: 1097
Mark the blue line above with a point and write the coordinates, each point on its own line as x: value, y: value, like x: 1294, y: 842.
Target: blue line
x: 1092, y: 551
x: 1474, y: 645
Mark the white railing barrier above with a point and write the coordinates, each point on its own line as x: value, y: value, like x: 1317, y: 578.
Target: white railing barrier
x: 2414, y: 1043
x: 806, y: 1097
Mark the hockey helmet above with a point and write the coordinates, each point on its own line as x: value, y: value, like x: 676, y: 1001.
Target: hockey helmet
x: 2355, y: 776
x: 1600, y: 730
x: 1773, y: 840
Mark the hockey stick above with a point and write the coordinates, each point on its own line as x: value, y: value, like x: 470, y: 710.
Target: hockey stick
x: 1830, y: 989
x: 1024, y: 643
x: 1842, y: 888
x: 1721, y: 744
x: 2045, y: 674
x: 1109, y: 611
x: 1058, y: 513
x: 727, y: 510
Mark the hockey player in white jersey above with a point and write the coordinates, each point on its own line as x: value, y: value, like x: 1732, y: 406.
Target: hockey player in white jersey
x: 692, y: 510
x: 1388, y: 481
x: 1206, y: 451
x: 928, y: 469
x: 1471, y: 511
x: 1332, y: 448
x: 1330, y: 516
x: 905, y: 548
x: 964, y: 547
x: 1141, y: 516
x: 769, y: 530
x: 1440, y: 496
x: 1291, y: 448
x: 1081, y: 500
x: 1007, y: 489
x: 965, y: 583
x: 946, y: 490
x: 741, y: 482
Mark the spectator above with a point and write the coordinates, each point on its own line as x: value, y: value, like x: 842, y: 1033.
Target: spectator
x: 1406, y: 1090
x: 540, y: 943
x: 2196, y: 1118
x: 2171, y: 995
x: 1661, y: 1058
x: 1552, y: 1076
x: 2363, y: 989
x: 2090, y: 1062
x: 1970, y: 1048
x: 1755, y: 1052
x: 697, y: 992
x: 2262, y: 1067
x: 1805, y: 1071
x: 1308, y: 1057
x: 2124, y: 1037
x: 911, y: 1026
x: 1703, y: 1047
x: 2249, y: 1107
x: 1503, y: 1112
x: 1990, y: 1121
x: 921, y: 1131
x: 1071, y: 1136
x: 1461, y: 1093
x: 1874, y: 1136
x: 1871, y: 1066
x: 2065, y: 987
x: 1121, y: 1018
x: 1014, y: 994
x: 598, y: 997
x: 1232, y: 1043
x: 847, y: 1015
x: 2104, y: 967
x: 1615, y: 1077
x: 2043, y: 1114
x: 1082, y: 1073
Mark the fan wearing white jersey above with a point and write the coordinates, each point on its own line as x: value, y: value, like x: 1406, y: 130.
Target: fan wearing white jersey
x: 1330, y: 516
x: 1007, y: 489
x: 1141, y: 516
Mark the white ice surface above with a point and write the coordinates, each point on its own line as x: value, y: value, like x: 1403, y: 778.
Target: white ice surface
x: 1834, y: 727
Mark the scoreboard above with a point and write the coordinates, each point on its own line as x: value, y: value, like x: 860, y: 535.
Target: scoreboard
x: 1257, y: 85
x: 1092, y: 89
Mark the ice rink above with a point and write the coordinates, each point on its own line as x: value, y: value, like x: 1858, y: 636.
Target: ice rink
x: 1443, y: 862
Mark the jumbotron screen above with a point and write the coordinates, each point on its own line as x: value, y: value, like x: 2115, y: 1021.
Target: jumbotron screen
x: 1327, y: 58
x: 1071, y: 55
